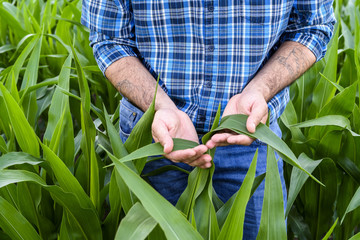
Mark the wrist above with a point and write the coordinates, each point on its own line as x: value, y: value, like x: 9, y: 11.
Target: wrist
x: 259, y: 89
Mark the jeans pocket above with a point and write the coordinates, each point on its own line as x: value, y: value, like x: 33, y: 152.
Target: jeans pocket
x: 129, y: 116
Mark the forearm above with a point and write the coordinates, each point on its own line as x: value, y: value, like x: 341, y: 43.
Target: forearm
x: 133, y: 80
x: 287, y: 64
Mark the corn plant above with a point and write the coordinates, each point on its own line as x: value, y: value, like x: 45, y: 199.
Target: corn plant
x: 322, y: 120
x: 65, y: 174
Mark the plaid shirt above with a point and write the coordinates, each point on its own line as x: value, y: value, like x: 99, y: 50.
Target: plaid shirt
x: 205, y: 51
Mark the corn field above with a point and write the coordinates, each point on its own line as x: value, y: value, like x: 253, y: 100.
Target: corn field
x: 65, y: 174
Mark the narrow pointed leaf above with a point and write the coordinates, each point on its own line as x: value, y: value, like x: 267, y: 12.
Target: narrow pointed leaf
x: 233, y: 226
x: 137, y: 224
x: 272, y: 223
x: 25, y: 135
x: 328, y: 234
x: 15, y: 158
x: 237, y: 123
x: 15, y: 224
x: 298, y: 178
x: 172, y: 222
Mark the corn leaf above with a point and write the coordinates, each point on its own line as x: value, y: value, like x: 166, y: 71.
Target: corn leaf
x: 233, y: 226
x: 298, y: 178
x: 354, y: 203
x: 137, y: 224
x: 328, y: 234
x: 139, y: 135
x: 324, y: 91
x: 84, y: 218
x: 172, y: 222
x: 237, y: 123
x: 31, y: 77
x: 25, y: 135
x: 20, y: 61
x: 355, y: 237
x: 10, y: 19
x: 59, y: 106
x: 272, y: 223
x: 15, y: 224
x: 16, y: 158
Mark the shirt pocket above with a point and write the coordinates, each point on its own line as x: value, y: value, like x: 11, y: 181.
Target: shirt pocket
x: 266, y: 12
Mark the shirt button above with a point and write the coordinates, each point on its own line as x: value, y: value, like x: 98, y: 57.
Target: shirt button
x: 211, y: 48
x: 210, y: 8
x: 208, y: 84
x: 201, y: 118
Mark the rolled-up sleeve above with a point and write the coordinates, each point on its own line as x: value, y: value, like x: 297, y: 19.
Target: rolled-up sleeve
x: 111, y: 28
x: 311, y: 23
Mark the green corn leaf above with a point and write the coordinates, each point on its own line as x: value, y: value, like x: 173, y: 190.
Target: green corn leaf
x: 197, y: 181
x: 58, y: 107
x: 21, y: 59
x: 115, y: 198
x: 83, y: 85
x: 298, y: 178
x: 328, y: 234
x: 223, y: 212
x: 64, y: 177
x: 341, y: 104
x: 324, y: 91
x: 336, y: 85
x: 3, y: 146
x: 354, y: 203
x: 233, y: 226
x: 320, y: 200
x: 154, y: 149
x: 82, y: 217
x: 29, y: 197
x: 15, y: 224
x: 172, y: 222
x: 272, y: 223
x: 94, y: 179
x: 237, y: 123
x: 139, y: 135
x: 25, y: 135
x: 349, y: 167
x: 137, y: 224
x: 117, y: 146
x: 6, y: 48
x: 11, y: 20
x: 355, y: 237
x: 334, y: 120
x: 16, y: 158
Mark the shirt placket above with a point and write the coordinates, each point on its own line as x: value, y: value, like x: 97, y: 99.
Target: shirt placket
x: 203, y: 116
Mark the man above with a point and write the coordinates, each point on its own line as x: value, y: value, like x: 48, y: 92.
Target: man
x: 242, y: 54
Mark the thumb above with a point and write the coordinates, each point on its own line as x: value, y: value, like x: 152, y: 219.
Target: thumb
x: 259, y: 113
x: 161, y: 134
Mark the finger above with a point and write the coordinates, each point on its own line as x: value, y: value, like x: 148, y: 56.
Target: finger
x: 259, y: 112
x: 219, y: 139
x: 199, y: 152
x: 240, y: 140
x: 181, y: 155
x: 204, y: 161
x: 161, y: 134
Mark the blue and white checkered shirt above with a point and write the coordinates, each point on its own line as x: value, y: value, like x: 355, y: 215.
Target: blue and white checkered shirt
x: 205, y: 51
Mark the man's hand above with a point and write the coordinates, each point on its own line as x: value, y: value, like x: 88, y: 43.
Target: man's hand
x: 288, y: 63
x: 249, y: 102
x: 173, y: 123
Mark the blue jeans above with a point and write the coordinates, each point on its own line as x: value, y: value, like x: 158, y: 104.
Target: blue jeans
x: 231, y: 166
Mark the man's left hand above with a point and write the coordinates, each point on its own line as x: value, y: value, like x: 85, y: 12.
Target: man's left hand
x: 249, y: 102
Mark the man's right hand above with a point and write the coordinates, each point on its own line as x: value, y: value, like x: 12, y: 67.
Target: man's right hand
x: 173, y: 123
